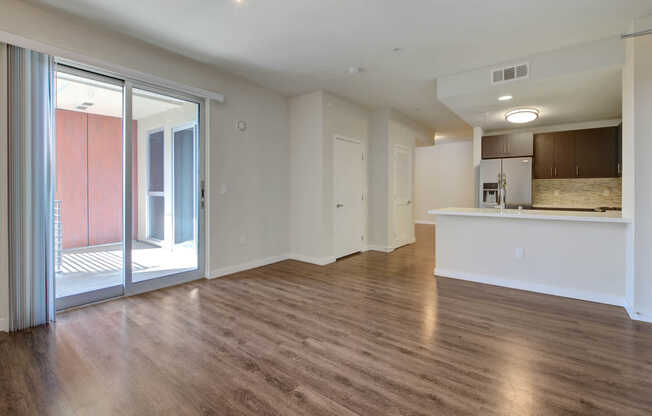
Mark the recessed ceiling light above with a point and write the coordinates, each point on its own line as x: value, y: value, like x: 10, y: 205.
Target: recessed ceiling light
x: 522, y: 115
x: 355, y: 70
x: 505, y: 98
x: 397, y: 49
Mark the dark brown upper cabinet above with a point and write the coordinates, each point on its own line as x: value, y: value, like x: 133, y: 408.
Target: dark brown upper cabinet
x: 590, y: 153
x: 619, y: 149
x: 544, y: 156
x: 565, y: 155
x: 554, y: 155
x: 507, y: 145
x: 596, y: 154
x: 492, y: 147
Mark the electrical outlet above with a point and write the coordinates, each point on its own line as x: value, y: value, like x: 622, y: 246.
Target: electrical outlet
x: 519, y: 253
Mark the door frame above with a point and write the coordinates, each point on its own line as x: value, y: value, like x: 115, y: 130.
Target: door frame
x: 363, y: 219
x: 395, y: 243
x: 128, y: 84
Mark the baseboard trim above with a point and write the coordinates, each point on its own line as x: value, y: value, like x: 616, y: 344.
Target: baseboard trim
x: 384, y: 249
x: 636, y: 316
x: 319, y: 261
x: 224, y: 271
x: 4, y: 325
x: 425, y: 222
x: 531, y: 287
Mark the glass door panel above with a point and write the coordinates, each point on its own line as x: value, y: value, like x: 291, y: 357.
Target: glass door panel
x: 155, y: 190
x: 88, y: 197
x: 165, y: 184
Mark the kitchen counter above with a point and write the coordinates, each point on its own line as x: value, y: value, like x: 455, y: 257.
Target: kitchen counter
x: 565, y: 253
x: 533, y: 214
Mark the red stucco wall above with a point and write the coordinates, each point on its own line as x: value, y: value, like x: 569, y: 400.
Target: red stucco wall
x: 89, y: 177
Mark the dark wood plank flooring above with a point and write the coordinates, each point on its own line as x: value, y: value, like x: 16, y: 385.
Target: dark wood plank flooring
x: 373, y: 334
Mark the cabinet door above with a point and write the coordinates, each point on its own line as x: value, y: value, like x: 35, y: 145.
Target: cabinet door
x: 596, y: 153
x: 619, y: 149
x: 544, y: 155
x: 565, y: 155
x: 493, y: 146
x: 519, y: 145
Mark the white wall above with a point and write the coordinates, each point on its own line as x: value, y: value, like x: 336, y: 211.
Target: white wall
x: 642, y: 129
x: 404, y: 135
x: 315, y: 120
x: 306, y: 176
x: 443, y: 177
x: 378, y: 179
x: 582, y: 260
x: 248, y: 175
x: 346, y: 119
x: 388, y: 128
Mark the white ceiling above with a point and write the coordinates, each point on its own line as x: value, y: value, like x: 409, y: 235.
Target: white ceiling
x: 587, y: 96
x: 298, y: 46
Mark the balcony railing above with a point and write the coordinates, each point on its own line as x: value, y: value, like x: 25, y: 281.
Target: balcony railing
x: 58, y: 237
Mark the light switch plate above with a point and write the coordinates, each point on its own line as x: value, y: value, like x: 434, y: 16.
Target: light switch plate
x: 519, y: 253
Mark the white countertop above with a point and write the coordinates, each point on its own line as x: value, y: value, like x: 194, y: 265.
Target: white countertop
x: 609, y: 216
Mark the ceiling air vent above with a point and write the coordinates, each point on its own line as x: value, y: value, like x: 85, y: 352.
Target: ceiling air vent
x: 510, y: 73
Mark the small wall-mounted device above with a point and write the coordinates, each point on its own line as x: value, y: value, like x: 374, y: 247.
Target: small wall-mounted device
x: 241, y: 125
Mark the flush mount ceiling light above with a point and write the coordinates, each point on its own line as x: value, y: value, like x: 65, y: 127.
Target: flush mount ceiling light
x: 505, y: 98
x: 522, y: 115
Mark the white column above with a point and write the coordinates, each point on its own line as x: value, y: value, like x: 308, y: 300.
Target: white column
x: 477, y: 156
x: 628, y: 178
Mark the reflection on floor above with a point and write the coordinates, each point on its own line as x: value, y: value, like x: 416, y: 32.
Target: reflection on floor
x: 90, y: 268
x: 371, y: 334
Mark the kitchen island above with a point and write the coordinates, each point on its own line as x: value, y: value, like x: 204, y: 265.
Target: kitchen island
x: 575, y: 254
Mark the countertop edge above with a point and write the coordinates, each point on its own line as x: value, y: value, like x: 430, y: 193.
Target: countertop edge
x: 530, y: 216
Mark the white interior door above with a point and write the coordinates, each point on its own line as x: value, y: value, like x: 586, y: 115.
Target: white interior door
x: 348, y: 197
x: 402, y: 195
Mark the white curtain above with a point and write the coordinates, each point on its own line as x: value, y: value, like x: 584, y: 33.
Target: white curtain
x: 30, y: 135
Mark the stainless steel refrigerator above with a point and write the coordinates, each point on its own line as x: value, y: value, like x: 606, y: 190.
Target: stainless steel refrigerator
x: 514, y: 174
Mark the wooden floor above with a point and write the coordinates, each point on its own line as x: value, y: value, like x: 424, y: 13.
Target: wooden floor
x: 373, y: 334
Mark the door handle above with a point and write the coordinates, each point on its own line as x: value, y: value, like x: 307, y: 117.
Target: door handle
x: 577, y: 171
x: 555, y: 170
x: 339, y: 205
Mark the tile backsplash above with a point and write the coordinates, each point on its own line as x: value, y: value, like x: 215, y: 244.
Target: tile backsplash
x: 577, y: 193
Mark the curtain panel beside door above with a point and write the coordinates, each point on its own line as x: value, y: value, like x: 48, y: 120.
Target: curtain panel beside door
x: 30, y: 166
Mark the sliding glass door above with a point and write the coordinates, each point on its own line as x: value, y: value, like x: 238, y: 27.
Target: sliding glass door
x: 88, y: 202
x: 128, y: 179
x: 166, y: 186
